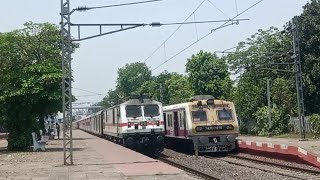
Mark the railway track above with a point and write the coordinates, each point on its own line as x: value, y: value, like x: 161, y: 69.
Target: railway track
x: 281, y: 169
x: 186, y: 168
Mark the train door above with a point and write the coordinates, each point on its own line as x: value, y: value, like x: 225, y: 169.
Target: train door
x: 117, y: 119
x: 114, y: 122
x: 176, y: 123
x: 165, y: 122
x: 101, y: 123
x: 184, y: 123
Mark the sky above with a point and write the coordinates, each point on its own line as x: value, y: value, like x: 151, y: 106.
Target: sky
x: 96, y: 62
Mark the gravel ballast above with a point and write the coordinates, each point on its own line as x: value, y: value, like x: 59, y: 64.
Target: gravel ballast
x: 222, y: 169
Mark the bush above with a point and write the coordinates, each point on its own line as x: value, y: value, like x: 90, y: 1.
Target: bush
x: 279, y: 121
x: 315, y: 124
x: 19, y: 137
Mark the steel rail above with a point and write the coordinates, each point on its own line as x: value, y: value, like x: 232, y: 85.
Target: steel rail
x: 279, y: 165
x: 290, y: 168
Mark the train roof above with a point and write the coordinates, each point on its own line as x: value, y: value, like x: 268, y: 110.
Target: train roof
x: 140, y: 102
x: 176, y: 106
x: 186, y: 104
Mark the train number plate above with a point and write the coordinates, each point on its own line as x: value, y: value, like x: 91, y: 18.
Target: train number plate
x: 214, y: 139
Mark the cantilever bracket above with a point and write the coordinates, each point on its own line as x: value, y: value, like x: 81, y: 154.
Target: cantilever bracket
x: 122, y: 28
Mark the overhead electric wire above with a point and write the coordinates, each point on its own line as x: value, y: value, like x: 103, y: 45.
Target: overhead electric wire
x: 193, y: 13
x: 212, y: 30
x: 189, y: 46
x: 201, y: 22
x: 218, y: 9
x: 154, y: 24
x: 87, y: 91
x: 84, y: 8
x: 174, y: 31
x: 88, y: 95
x: 236, y: 3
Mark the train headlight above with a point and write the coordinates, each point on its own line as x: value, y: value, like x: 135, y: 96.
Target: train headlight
x: 210, y: 101
x: 158, y: 123
x: 198, y: 128
x: 203, y: 139
x: 129, y: 124
x: 231, y: 138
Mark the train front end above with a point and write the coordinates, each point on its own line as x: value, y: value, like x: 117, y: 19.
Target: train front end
x: 214, y: 125
x: 144, y: 125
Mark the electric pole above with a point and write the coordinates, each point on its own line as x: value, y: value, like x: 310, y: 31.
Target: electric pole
x: 161, y: 93
x: 269, y: 105
x: 298, y: 76
x: 66, y: 82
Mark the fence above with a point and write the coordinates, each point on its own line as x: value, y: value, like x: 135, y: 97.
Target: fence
x: 294, y: 124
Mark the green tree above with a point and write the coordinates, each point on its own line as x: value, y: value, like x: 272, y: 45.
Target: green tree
x: 315, y: 124
x: 30, y: 80
x: 157, y: 87
x: 132, y: 76
x: 283, y: 94
x: 208, y: 74
x: 279, y: 123
x: 178, y: 88
x: 250, y: 94
x: 309, y: 22
x: 112, y: 98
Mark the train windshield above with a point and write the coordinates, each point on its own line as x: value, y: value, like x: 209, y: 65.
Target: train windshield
x: 225, y: 114
x: 198, y: 116
x: 151, y: 110
x: 133, y: 111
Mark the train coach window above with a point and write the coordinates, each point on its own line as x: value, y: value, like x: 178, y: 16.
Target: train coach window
x: 151, y: 110
x: 133, y: 111
x: 225, y: 114
x: 199, y: 116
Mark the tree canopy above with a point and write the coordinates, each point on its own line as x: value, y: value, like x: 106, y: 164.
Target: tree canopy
x: 208, y: 74
x: 30, y: 80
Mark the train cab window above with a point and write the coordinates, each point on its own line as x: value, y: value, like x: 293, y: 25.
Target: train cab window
x: 225, y: 115
x: 199, y: 116
x: 133, y: 111
x: 151, y: 110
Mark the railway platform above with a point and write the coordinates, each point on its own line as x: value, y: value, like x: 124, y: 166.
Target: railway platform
x: 307, y: 151
x: 94, y: 158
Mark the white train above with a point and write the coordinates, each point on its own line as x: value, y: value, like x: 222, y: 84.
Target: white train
x: 135, y: 123
x: 202, y: 125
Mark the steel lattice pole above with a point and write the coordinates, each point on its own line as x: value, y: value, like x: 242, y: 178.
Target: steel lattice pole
x: 66, y: 82
x: 299, y: 81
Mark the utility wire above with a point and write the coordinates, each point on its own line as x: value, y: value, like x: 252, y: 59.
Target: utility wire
x: 190, y: 46
x: 201, y: 22
x: 87, y: 91
x: 193, y: 13
x: 88, y: 95
x: 84, y: 8
x: 218, y: 9
x: 236, y: 3
x: 212, y: 30
x: 156, y: 24
x: 174, y: 32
